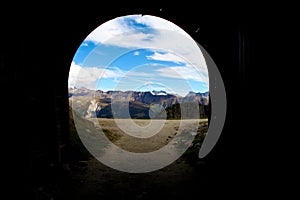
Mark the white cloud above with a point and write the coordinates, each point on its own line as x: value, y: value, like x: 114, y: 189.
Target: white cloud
x: 184, y: 72
x: 105, y: 31
x: 158, y: 23
x: 132, y: 40
x: 88, y: 76
x: 116, y: 27
x: 166, y: 57
x: 166, y: 37
x: 136, y: 53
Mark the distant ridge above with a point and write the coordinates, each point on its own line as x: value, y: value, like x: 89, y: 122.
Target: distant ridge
x: 147, y: 97
x: 141, y: 103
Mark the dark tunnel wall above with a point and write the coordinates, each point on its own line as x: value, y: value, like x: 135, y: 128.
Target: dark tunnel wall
x: 40, y: 54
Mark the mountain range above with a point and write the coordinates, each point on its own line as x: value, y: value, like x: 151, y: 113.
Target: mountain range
x: 142, y: 104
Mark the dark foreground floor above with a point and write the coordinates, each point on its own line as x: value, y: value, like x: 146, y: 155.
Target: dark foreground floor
x: 93, y: 180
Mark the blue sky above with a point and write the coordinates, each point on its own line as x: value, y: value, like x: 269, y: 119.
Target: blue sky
x: 139, y: 53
